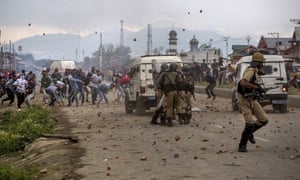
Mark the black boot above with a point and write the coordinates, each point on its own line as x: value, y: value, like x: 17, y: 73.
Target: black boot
x: 163, y: 118
x: 186, y: 119
x: 180, y: 118
x: 256, y: 127
x: 245, y: 136
x: 155, y: 117
x: 170, y: 124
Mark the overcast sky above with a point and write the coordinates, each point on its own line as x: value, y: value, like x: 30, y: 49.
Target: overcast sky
x: 234, y: 18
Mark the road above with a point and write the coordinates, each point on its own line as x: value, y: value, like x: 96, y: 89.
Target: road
x: 126, y: 146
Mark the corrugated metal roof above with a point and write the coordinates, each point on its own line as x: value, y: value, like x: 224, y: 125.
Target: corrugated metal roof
x: 271, y: 42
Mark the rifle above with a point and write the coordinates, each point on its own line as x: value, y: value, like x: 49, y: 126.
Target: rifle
x: 259, y: 93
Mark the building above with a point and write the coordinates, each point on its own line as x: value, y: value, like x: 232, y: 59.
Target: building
x: 294, y: 51
x: 201, y: 53
x: 274, y: 45
x: 238, y: 51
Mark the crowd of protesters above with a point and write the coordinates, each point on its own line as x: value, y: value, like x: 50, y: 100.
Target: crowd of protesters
x: 17, y: 84
x: 222, y: 73
x: 73, y: 87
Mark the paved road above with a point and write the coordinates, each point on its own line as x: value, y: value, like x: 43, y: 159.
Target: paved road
x: 126, y: 146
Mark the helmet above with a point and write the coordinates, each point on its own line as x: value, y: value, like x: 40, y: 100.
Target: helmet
x: 259, y: 57
x: 186, y: 69
x: 173, y: 67
x: 164, y: 67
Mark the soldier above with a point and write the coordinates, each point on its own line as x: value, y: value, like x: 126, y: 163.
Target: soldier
x: 161, y: 108
x: 249, y: 105
x: 181, y: 102
x: 169, y: 83
x: 189, y: 92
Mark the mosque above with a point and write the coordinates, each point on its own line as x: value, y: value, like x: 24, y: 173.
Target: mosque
x: 203, y: 53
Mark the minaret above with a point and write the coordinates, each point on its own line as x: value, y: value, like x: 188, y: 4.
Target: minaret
x: 172, y: 42
x: 194, y: 44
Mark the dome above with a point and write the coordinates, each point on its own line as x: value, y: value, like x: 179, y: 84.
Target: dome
x: 172, y: 33
x: 194, y: 41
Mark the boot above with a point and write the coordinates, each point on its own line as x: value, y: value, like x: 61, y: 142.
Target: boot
x: 170, y: 124
x: 186, y: 119
x: 180, y: 118
x: 256, y: 127
x: 163, y: 119
x: 245, y: 136
x: 155, y: 117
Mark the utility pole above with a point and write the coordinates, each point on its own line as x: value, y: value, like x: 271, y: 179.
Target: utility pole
x: 122, y: 34
x: 276, y: 34
x: 100, y: 51
x: 149, y: 40
x: 248, y: 38
x: 226, y: 40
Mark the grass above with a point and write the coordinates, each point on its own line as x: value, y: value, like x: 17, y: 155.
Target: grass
x: 18, y: 130
x: 7, y: 172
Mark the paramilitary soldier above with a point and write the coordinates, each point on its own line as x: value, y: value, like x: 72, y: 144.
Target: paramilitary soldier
x: 181, y: 100
x: 189, y: 92
x: 161, y: 109
x: 169, y: 83
x: 248, y: 103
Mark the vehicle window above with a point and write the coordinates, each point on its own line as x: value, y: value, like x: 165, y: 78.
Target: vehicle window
x: 273, y: 69
x: 268, y: 69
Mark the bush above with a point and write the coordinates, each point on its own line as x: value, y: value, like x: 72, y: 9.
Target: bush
x: 19, y: 129
x: 9, y: 173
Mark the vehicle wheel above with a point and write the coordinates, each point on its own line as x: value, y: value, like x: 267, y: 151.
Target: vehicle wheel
x: 235, y: 106
x: 140, y: 107
x: 128, y: 106
x: 283, y: 108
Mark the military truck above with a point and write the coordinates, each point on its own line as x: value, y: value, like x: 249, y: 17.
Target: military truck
x: 274, y: 78
x: 140, y: 94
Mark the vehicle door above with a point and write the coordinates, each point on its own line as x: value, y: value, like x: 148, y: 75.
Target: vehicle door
x: 146, y: 83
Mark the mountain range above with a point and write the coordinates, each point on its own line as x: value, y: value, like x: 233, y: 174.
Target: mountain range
x: 76, y: 47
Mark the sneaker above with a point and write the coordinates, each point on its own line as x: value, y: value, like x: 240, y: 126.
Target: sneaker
x: 214, y: 97
x: 19, y: 109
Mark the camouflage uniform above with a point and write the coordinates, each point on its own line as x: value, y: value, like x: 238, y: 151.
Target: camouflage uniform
x: 160, y: 111
x: 189, y: 93
x: 169, y: 83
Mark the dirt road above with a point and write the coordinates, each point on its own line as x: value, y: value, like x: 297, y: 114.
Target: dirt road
x: 125, y: 146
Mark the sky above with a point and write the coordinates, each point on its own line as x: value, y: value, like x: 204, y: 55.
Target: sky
x: 233, y: 18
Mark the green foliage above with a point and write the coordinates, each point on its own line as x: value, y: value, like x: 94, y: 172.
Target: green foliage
x: 19, y: 129
x: 9, y: 173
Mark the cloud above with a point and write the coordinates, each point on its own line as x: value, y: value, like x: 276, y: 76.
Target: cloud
x: 231, y: 17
